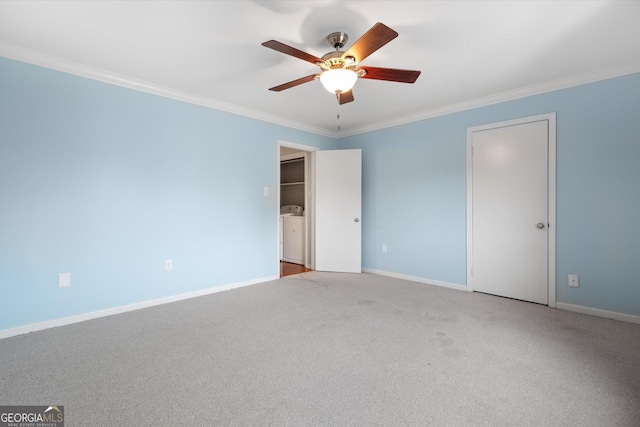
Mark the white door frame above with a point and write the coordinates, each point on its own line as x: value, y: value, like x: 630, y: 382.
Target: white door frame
x: 551, y: 253
x: 309, y: 174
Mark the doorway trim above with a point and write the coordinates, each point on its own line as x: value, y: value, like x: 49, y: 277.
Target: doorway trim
x: 551, y: 194
x: 309, y: 174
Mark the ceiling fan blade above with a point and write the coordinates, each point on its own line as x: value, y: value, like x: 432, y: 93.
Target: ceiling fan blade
x: 288, y: 50
x: 294, y: 83
x: 345, y: 97
x: 372, y: 40
x: 390, y: 74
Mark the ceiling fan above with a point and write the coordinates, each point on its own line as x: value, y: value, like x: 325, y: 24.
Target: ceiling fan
x: 340, y: 70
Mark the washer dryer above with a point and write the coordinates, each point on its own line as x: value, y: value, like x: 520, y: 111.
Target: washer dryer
x: 292, y: 234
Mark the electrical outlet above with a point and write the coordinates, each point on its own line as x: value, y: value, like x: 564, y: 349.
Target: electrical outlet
x: 168, y: 265
x: 384, y: 249
x: 573, y: 281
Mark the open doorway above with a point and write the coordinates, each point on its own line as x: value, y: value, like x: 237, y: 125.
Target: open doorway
x: 332, y: 211
x: 296, y: 238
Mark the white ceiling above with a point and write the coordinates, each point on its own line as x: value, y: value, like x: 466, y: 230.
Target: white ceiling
x: 470, y: 52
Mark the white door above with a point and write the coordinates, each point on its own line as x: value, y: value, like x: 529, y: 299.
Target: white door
x: 338, y: 210
x: 510, y: 211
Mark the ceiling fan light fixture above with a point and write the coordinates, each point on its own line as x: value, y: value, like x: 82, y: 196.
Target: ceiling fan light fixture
x: 339, y: 69
x: 338, y: 80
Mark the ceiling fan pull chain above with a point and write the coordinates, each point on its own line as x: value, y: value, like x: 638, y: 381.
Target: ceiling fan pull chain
x: 338, y: 116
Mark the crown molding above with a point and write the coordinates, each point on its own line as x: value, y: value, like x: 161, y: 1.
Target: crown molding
x: 497, y: 98
x: 70, y: 67
x: 81, y: 70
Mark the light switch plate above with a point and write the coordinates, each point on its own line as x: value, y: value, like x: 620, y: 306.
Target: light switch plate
x: 64, y: 280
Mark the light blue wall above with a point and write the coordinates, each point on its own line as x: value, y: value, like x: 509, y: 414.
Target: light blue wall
x: 106, y: 183
x: 414, y: 192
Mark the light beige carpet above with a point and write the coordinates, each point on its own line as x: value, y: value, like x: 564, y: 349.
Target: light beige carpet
x: 333, y: 349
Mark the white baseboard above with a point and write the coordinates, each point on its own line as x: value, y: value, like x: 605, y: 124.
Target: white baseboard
x: 630, y: 318
x: 600, y: 313
x: 416, y: 279
x: 20, y: 330
x: 6, y: 333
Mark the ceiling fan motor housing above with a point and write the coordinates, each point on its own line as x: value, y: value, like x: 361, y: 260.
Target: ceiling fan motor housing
x: 333, y: 60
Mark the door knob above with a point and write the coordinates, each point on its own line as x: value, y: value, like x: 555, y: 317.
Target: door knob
x: 540, y: 225
x: 356, y: 220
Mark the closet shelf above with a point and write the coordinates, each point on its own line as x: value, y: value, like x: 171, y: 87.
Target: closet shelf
x: 292, y: 183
